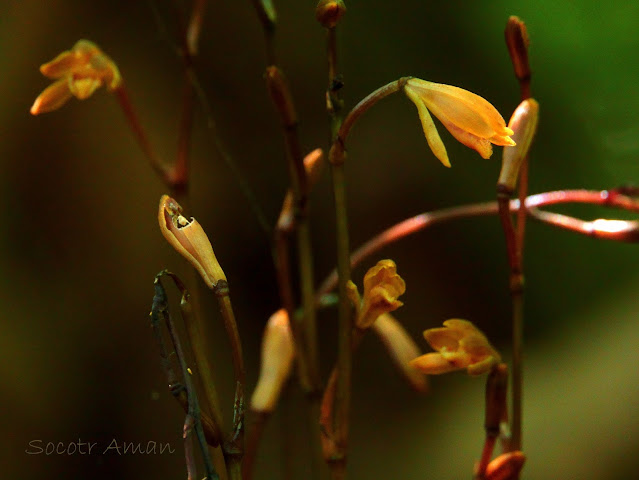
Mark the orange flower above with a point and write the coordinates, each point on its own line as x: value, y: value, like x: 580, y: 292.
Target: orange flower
x: 78, y: 72
x: 190, y: 240
x: 472, y: 120
x: 459, y: 345
x: 382, y: 286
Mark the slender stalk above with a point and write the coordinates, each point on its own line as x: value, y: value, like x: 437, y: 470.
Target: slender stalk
x: 196, y: 331
x: 252, y: 443
x: 345, y: 322
x: 140, y: 135
x: 423, y: 221
x: 268, y: 18
x: 234, y: 447
x: 221, y: 292
x: 366, y: 103
x: 305, y: 337
x: 180, y: 173
x: 193, y: 418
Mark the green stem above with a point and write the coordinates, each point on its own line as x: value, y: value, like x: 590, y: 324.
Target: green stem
x: 366, y: 103
x: 517, y: 388
x: 345, y: 319
x: 516, y: 292
x: 196, y: 331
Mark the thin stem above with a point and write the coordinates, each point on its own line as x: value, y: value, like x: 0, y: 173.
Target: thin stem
x: 140, y: 135
x: 306, y: 337
x: 234, y: 447
x: 517, y: 380
x: 345, y: 319
x: 254, y: 436
x: 268, y: 17
x: 221, y: 291
x: 423, y: 221
x: 196, y: 331
x: 180, y: 174
x: 366, y: 103
x: 193, y: 418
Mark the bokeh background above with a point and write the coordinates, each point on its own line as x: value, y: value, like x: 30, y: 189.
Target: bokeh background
x: 80, y: 243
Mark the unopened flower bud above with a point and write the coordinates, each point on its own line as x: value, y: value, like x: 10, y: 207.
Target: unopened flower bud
x: 402, y: 350
x: 524, y: 123
x: 189, y: 239
x: 328, y: 12
x: 517, y: 42
x: 506, y: 466
x: 277, y: 359
x: 313, y: 163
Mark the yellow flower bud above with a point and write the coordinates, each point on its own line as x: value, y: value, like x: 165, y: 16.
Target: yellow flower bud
x: 459, y: 345
x: 472, y: 120
x: 506, y: 466
x: 277, y: 360
x: 79, y: 72
x: 524, y: 123
x: 189, y: 239
x: 328, y: 12
x: 517, y: 42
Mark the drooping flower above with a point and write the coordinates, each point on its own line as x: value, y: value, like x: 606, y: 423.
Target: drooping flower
x: 471, y: 119
x: 78, y: 72
x: 382, y: 287
x: 459, y: 345
x: 190, y: 240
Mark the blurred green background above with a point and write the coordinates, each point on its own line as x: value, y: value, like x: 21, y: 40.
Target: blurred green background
x: 80, y: 243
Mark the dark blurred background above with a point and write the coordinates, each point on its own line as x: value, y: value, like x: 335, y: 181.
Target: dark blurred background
x: 80, y: 243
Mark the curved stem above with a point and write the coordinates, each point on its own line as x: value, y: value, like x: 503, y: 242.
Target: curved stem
x: 608, y: 198
x: 337, y: 151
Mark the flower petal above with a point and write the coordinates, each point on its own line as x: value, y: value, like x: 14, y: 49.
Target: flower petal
x: 52, y: 97
x: 433, y: 364
x: 430, y: 130
x: 83, y: 88
x: 61, y: 65
x: 465, y: 109
x: 443, y: 338
x: 481, y: 145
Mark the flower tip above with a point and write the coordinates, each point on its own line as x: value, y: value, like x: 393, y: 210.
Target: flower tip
x: 36, y: 107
